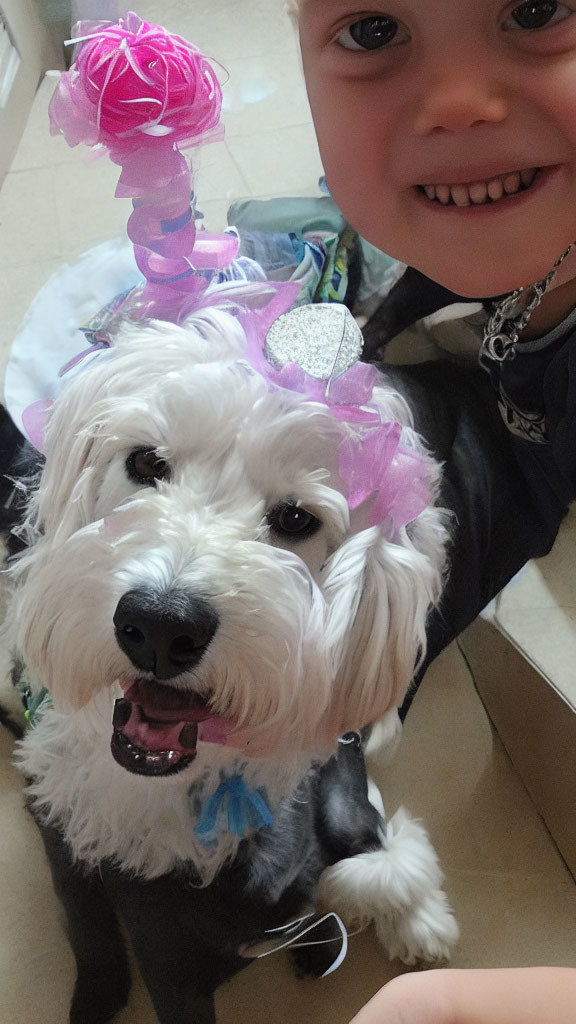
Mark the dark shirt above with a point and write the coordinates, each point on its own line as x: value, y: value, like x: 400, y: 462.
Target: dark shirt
x: 537, y: 399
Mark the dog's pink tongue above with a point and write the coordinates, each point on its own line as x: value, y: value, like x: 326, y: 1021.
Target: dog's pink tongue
x: 156, y: 736
x: 176, y: 727
x: 215, y: 730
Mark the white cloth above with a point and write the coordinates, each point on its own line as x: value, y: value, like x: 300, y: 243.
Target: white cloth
x: 49, y: 336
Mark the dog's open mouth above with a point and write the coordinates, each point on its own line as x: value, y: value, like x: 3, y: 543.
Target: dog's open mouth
x: 157, y: 728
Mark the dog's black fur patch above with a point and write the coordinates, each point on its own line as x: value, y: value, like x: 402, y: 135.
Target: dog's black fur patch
x: 186, y: 938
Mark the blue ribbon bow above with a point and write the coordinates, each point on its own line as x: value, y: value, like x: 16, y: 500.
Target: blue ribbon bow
x: 235, y: 809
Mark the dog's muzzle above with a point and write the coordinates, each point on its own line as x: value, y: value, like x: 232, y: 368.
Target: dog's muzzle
x: 157, y: 726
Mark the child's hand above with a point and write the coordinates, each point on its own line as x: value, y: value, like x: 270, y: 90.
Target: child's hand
x: 515, y: 996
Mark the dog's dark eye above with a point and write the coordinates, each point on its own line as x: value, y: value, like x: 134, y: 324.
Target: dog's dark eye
x: 144, y: 466
x: 291, y: 520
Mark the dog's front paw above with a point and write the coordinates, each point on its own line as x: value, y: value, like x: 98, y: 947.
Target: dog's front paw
x: 398, y: 888
x: 425, y: 933
x: 422, y: 927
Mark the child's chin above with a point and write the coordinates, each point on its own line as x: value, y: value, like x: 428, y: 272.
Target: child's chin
x: 481, y: 281
x: 487, y: 272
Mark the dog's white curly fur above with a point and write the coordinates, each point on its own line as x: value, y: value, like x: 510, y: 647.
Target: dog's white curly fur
x: 315, y: 638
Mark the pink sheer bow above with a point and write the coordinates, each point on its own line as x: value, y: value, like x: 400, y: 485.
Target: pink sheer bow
x: 375, y: 463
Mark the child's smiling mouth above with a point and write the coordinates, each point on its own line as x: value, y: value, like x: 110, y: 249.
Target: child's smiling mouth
x: 481, y: 193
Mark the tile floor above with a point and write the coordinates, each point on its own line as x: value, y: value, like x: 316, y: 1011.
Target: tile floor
x: 513, y: 896
x: 538, y: 610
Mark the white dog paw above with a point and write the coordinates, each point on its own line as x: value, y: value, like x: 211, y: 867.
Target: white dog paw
x: 427, y: 932
x: 398, y: 888
x: 414, y: 869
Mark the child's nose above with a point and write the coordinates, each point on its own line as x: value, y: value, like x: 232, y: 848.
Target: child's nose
x: 458, y: 102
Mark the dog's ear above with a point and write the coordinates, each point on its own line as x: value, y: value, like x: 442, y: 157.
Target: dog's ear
x: 64, y: 499
x: 379, y: 593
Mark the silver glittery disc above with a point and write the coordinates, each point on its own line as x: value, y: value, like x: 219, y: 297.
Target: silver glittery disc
x: 323, y: 339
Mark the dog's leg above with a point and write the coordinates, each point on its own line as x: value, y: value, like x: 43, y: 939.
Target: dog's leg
x: 179, y: 1005
x: 175, y: 931
x: 388, y: 874
x: 103, y: 977
x: 175, y: 1001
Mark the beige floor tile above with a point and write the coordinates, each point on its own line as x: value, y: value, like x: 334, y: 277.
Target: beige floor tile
x: 24, y: 1004
x: 536, y: 724
x: 454, y: 773
x: 547, y: 636
x: 508, y: 920
x: 538, y: 611
x: 86, y: 209
x: 227, y: 29
x: 413, y: 345
x: 217, y: 175
x: 269, y: 991
x: 28, y: 222
x: 278, y: 162
x: 264, y: 94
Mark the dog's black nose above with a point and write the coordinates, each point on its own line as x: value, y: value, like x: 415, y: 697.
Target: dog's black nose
x: 165, y: 633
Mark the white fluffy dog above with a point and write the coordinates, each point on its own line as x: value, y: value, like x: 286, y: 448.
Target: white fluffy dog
x: 202, y: 606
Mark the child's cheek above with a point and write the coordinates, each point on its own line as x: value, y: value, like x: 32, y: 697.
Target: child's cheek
x: 552, y: 96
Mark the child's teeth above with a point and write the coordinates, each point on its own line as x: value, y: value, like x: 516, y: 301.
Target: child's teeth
x: 527, y: 177
x: 495, y: 189
x: 481, y: 191
x: 460, y: 195
x: 512, y: 183
x: 478, y: 192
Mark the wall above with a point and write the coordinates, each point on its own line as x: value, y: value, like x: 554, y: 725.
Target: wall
x: 38, y: 52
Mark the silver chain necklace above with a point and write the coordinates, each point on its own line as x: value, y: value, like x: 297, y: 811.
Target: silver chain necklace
x: 506, y: 323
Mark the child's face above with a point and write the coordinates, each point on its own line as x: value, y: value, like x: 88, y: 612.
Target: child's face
x: 414, y: 93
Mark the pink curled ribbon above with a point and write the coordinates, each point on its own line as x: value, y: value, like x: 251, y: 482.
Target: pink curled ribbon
x: 146, y: 94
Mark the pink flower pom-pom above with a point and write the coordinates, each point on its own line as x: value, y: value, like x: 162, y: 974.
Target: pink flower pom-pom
x: 132, y: 82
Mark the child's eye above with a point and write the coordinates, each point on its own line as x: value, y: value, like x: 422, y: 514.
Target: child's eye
x: 536, y: 14
x: 372, y: 34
